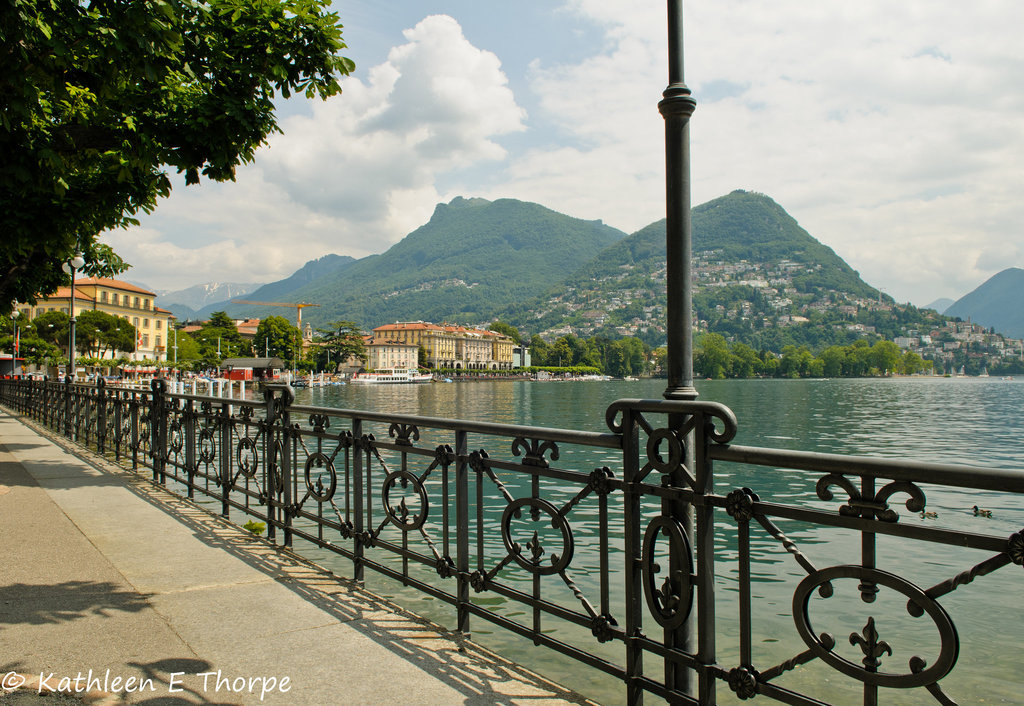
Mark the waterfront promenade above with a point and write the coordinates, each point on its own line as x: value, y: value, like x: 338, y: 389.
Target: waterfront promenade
x: 102, y: 570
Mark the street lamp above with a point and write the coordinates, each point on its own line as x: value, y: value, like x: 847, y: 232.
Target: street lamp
x: 72, y: 266
x: 17, y: 343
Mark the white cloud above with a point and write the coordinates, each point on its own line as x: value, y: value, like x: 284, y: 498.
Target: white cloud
x: 891, y: 131
x: 354, y: 176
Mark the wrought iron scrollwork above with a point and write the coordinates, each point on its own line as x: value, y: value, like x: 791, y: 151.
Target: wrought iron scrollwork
x: 248, y: 457
x: 401, y: 516
x: 402, y: 433
x: 316, y: 488
x: 743, y: 682
x: 534, y: 450
x: 822, y: 646
x: 670, y: 604
x: 559, y: 560
x: 740, y: 504
x: 875, y: 507
x: 445, y: 567
x: 601, y: 481
x: 207, y: 444
x: 602, y: 627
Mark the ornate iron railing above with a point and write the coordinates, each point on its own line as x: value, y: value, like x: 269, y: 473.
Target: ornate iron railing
x: 581, y: 541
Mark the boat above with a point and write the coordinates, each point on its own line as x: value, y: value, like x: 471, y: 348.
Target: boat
x: 983, y: 373
x: 392, y: 375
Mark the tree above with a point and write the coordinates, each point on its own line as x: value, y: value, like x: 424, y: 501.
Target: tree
x: 508, y: 330
x: 53, y: 327
x: 539, y: 350
x: 97, y: 332
x: 342, y: 340
x: 275, y: 336
x: 188, y: 350
x: 100, y: 97
x: 712, y: 359
x: 219, y: 338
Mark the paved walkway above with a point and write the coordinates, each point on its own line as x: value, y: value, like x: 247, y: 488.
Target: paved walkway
x: 104, y: 572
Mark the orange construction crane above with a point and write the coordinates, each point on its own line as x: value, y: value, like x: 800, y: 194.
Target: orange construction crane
x: 298, y: 308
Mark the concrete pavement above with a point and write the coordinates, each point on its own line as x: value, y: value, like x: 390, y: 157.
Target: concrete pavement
x: 106, y: 578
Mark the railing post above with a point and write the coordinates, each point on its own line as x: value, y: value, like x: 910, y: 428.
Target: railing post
x: 134, y: 405
x: 357, y: 491
x: 704, y: 548
x: 191, y: 430
x: 101, y: 415
x: 268, y: 471
x: 633, y: 556
x: 287, y: 398
x: 226, y: 457
x: 67, y: 406
x: 158, y: 429
x: 462, y: 529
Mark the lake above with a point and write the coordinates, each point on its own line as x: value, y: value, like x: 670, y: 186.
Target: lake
x: 971, y: 421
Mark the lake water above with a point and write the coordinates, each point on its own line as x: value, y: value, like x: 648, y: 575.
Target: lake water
x: 946, y: 420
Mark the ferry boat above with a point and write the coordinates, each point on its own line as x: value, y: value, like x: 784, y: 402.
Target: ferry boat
x: 392, y: 375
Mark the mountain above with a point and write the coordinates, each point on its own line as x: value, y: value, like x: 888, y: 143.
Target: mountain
x: 472, y: 261
x: 940, y: 305
x: 751, y: 262
x: 998, y: 303
x: 327, y: 267
x: 185, y: 303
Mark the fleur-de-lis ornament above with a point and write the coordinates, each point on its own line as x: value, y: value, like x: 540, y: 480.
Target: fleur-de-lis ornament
x: 871, y: 646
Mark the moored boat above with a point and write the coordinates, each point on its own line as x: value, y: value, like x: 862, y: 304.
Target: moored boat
x: 392, y: 375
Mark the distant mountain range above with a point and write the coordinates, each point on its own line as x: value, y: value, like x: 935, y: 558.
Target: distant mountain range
x: 186, y: 303
x: 756, y: 274
x: 940, y: 305
x: 998, y: 303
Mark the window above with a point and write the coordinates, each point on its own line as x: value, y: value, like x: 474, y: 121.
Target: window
x: 135, y: 321
x: 145, y: 323
x: 64, y: 309
x: 40, y: 311
x: 159, y: 324
x: 157, y: 341
x: 145, y: 340
x: 103, y: 297
x: 136, y: 302
x: 113, y: 298
x: 145, y: 303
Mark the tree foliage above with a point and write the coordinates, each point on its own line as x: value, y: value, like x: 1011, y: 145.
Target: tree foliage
x: 342, y: 340
x: 715, y: 358
x: 98, y: 333
x: 276, y: 337
x: 100, y: 97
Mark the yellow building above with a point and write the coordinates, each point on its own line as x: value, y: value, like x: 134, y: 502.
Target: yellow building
x: 450, y: 346
x: 126, y: 301
x: 391, y: 354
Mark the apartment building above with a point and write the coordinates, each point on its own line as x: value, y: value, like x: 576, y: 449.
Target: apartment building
x: 117, y: 298
x: 451, y: 346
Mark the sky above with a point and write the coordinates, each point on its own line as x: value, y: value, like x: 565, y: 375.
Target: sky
x: 892, y: 132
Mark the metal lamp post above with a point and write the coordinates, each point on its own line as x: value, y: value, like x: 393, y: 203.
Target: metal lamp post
x: 676, y: 107
x: 71, y: 267
x: 17, y: 343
